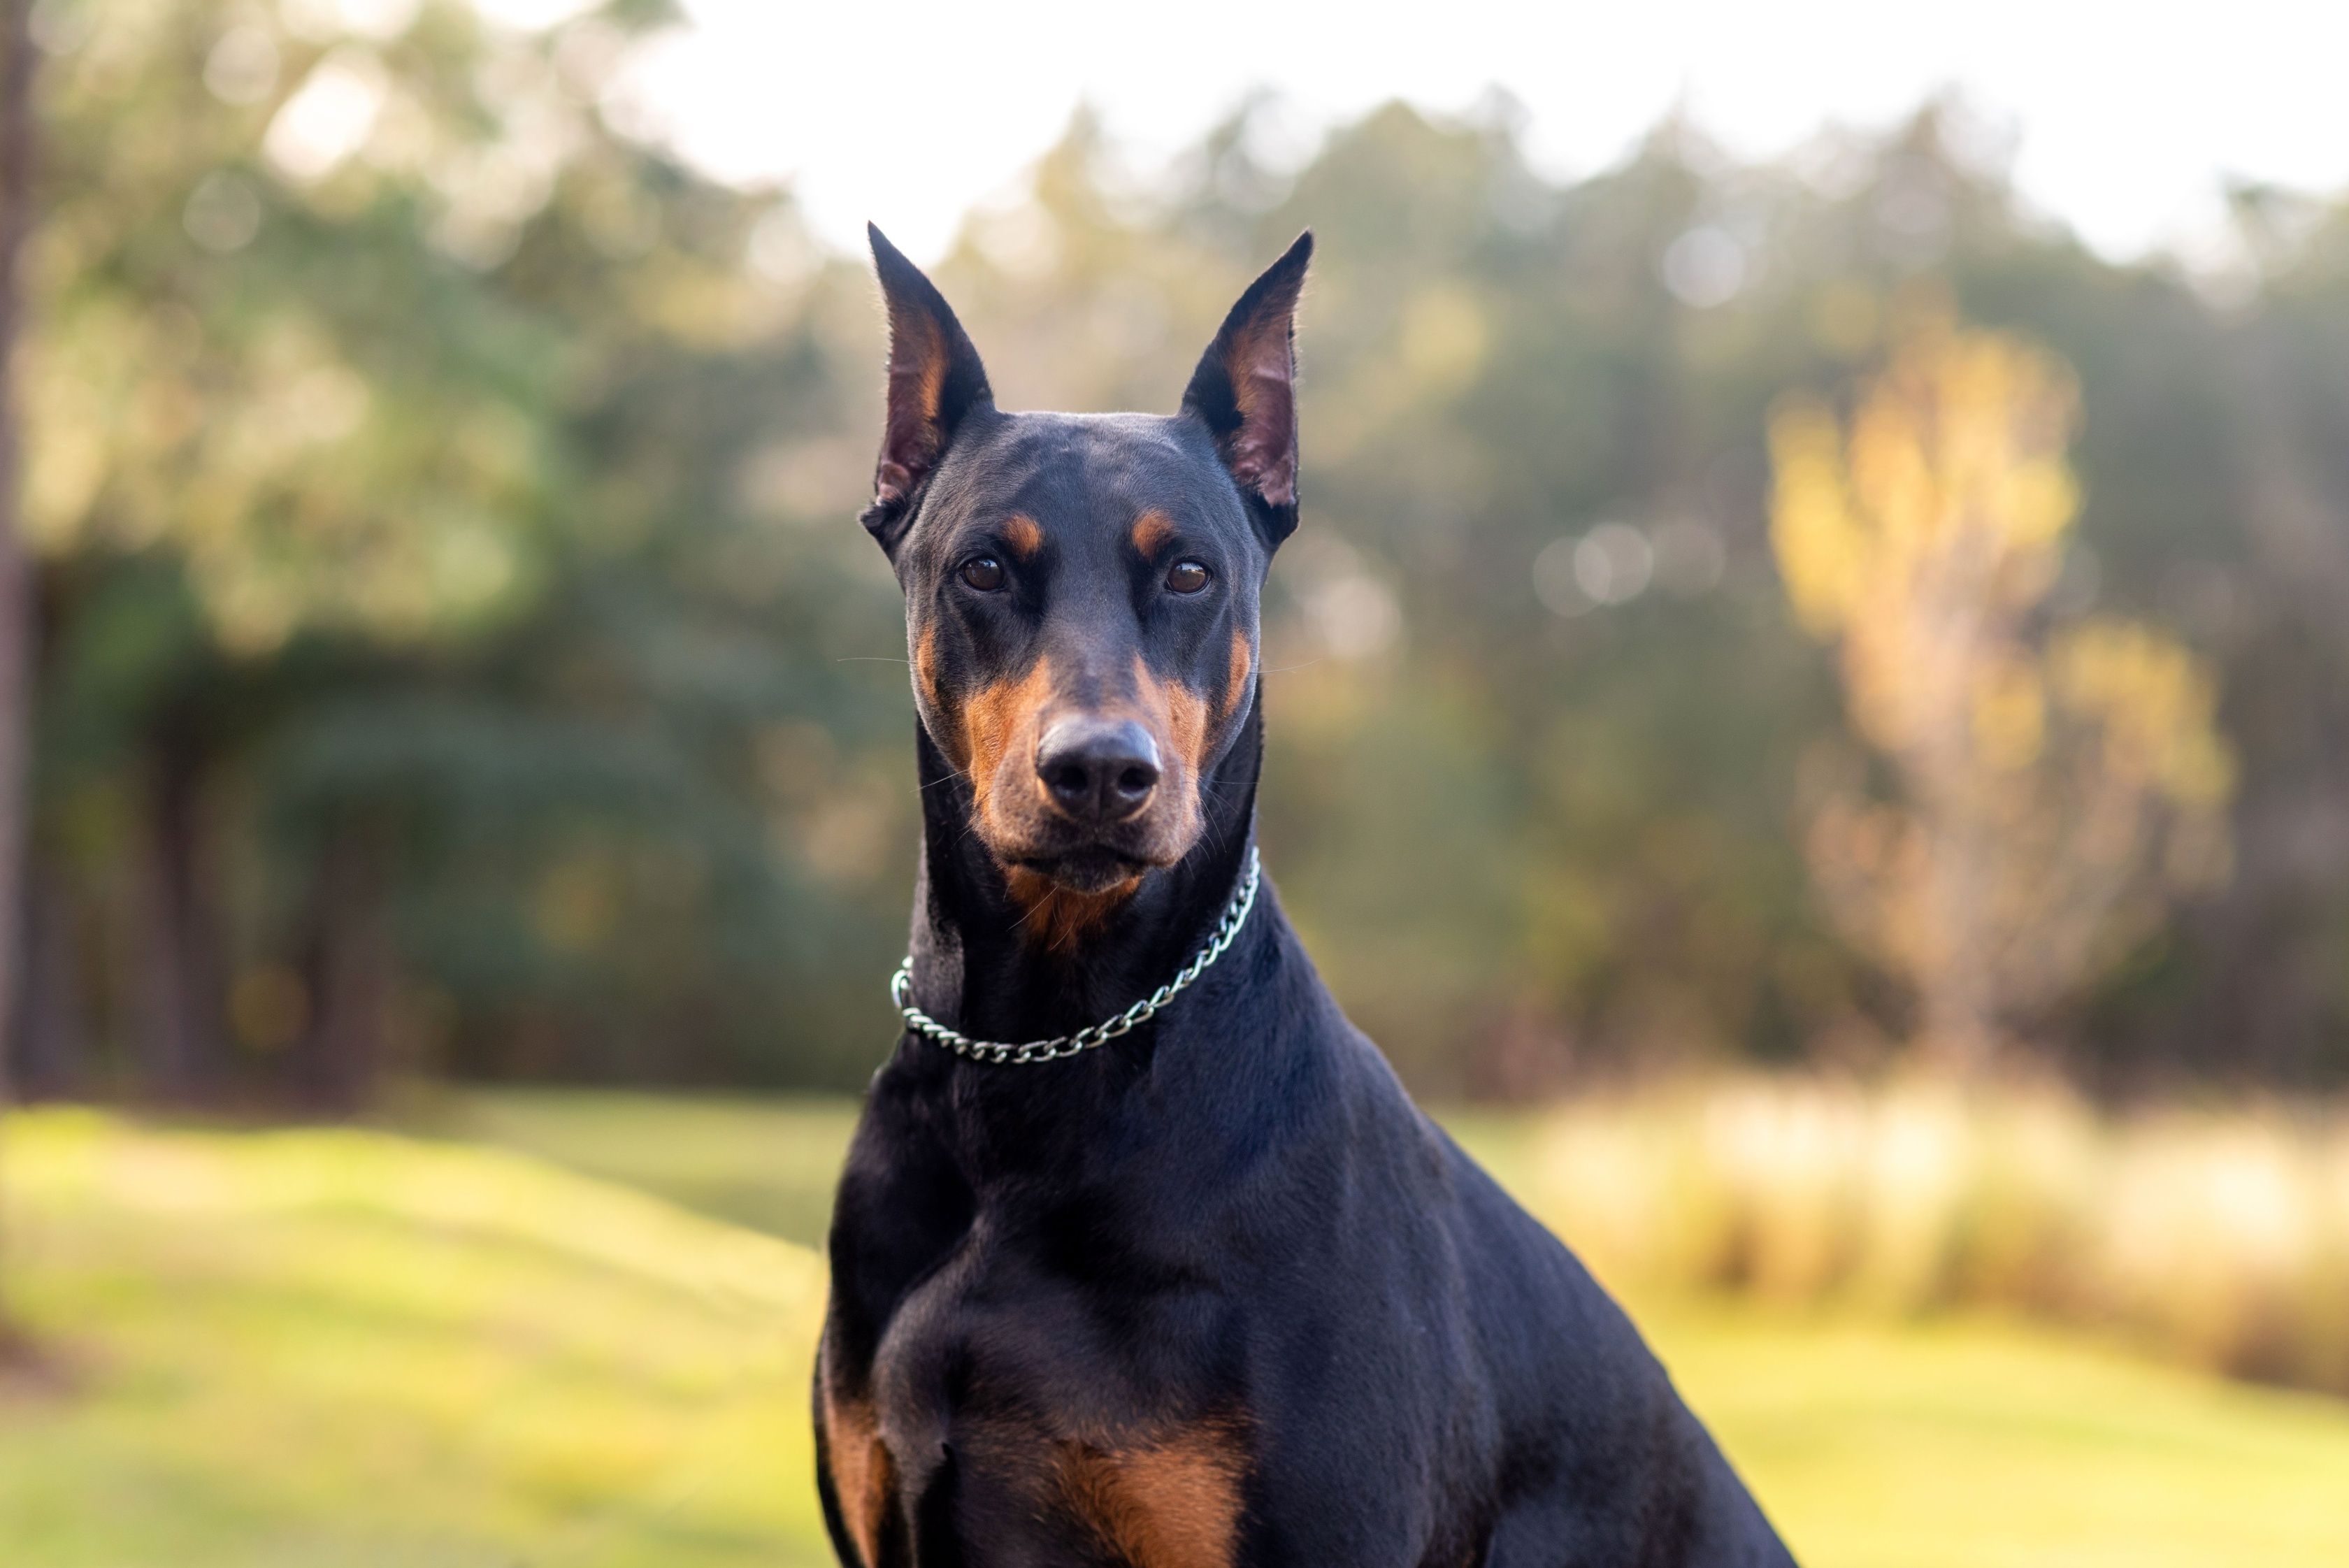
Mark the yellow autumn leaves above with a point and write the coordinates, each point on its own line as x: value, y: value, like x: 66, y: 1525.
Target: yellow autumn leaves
x: 2051, y: 780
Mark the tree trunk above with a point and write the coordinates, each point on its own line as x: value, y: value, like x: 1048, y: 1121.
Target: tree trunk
x: 15, y: 600
x: 349, y: 976
x: 52, y: 1030
x: 181, y: 987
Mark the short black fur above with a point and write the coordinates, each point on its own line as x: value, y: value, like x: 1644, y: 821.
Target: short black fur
x: 1217, y: 1293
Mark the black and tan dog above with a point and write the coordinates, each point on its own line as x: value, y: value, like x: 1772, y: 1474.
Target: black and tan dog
x: 1213, y: 1293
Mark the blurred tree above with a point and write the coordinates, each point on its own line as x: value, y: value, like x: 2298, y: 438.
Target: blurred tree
x: 2053, y: 783
x: 419, y: 473
x: 455, y: 655
x: 17, y: 62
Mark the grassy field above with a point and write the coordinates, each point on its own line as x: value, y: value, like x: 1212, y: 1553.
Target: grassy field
x: 346, y: 1347
x: 341, y: 1347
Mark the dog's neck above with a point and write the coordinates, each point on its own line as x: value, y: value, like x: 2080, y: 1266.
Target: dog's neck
x: 982, y: 964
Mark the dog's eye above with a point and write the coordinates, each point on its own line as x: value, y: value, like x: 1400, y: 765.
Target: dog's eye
x: 1186, y: 577
x: 983, y: 573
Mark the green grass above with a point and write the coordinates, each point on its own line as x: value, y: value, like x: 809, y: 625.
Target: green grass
x: 322, y: 1347
x: 318, y: 1348
x: 769, y: 1164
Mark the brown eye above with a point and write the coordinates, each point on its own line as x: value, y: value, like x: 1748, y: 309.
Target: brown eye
x: 1186, y: 577
x: 983, y: 573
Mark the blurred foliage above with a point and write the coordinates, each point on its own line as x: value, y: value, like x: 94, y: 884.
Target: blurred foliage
x: 335, y: 1346
x: 423, y: 478
x: 2053, y: 782
x: 2218, y: 1238
x: 458, y: 654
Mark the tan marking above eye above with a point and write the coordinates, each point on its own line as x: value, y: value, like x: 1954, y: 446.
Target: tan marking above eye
x: 1022, y: 535
x: 1151, y: 530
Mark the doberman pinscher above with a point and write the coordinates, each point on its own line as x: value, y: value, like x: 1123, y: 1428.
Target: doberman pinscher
x: 1210, y: 1291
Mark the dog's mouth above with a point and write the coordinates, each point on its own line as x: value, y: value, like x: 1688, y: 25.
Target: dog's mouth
x: 1089, y: 868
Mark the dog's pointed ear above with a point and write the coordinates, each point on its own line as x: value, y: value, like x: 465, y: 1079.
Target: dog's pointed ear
x: 934, y: 382
x: 1245, y: 390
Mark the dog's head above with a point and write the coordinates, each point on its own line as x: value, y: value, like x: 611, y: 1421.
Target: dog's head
x: 1081, y: 589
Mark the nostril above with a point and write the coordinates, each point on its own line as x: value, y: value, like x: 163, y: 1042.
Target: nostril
x: 1070, y: 780
x: 1137, y: 779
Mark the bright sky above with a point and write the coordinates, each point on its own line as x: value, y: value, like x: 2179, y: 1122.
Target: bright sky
x: 2127, y: 116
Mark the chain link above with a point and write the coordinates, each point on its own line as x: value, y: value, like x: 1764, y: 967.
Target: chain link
x: 1235, y: 913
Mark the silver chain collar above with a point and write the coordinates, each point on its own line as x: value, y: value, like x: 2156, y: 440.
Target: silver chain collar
x: 1235, y: 913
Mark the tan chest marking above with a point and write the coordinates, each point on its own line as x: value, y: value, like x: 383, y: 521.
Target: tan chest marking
x: 1172, y: 1502
x: 862, y: 1477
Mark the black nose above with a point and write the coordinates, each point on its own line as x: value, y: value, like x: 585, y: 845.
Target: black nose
x: 1098, y: 769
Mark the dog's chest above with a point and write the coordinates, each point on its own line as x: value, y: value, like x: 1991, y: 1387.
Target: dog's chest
x: 1079, y: 1416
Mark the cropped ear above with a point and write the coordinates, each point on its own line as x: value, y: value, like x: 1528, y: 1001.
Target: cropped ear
x: 935, y: 380
x: 1245, y: 390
